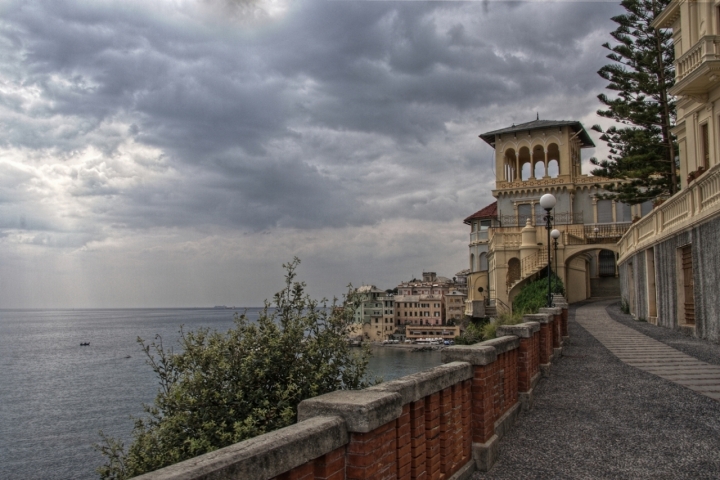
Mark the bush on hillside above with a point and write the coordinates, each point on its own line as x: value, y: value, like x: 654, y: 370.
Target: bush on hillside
x: 473, y: 333
x: 533, y: 296
x: 226, y: 387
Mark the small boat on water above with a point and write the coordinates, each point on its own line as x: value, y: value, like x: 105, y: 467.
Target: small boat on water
x: 84, y: 344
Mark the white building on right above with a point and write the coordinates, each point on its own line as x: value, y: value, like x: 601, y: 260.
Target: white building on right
x: 669, y: 261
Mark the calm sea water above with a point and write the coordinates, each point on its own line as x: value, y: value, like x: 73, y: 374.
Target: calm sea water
x: 56, y: 395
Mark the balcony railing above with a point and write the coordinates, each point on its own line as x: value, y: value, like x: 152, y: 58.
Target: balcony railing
x: 706, y: 49
x: 481, y: 236
x: 696, y: 203
x: 508, y: 240
x: 562, y: 218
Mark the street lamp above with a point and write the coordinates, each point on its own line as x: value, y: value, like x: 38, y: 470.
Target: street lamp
x: 555, y: 234
x: 547, y: 202
x: 596, y: 229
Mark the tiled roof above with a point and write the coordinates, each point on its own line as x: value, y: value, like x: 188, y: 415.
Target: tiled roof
x: 488, y: 212
x: 489, y: 137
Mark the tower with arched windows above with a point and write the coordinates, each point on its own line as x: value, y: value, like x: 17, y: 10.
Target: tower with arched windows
x: 508, y: 243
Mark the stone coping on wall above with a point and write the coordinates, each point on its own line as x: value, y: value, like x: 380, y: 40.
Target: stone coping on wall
x: 538, y: 317
x: 329, y: 424
x: 412, y: 388
x: 521, y: 330
x: 551, y: 310
x: 264, y: 456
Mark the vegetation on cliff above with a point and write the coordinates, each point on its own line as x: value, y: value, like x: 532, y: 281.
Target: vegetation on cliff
x: 222, y: 388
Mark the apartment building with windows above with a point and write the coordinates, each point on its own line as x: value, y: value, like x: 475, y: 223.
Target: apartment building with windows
x: 669, y: 260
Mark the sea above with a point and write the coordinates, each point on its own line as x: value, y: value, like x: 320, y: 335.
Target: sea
x: 56, y: 395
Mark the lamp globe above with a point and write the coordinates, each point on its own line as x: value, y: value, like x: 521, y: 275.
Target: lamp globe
x: 547, y: 201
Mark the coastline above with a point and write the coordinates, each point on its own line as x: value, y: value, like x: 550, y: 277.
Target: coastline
x: 413, y: 347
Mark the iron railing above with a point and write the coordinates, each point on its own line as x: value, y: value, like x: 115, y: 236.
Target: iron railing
x: 563, y: 218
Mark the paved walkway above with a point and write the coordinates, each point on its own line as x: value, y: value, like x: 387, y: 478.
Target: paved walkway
x: 645, y: 353
x: 599, y: 417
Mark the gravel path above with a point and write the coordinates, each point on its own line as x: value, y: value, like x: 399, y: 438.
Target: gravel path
x: 596, y: 417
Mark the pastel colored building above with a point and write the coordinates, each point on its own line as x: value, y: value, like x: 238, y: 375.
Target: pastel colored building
x: 508, y: 239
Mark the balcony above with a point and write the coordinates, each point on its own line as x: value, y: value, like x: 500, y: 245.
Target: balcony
x: 562, y: 218
x: 698, y: 69
x: 595, y: 233
x: 478, y: 237
x: 698, y: 202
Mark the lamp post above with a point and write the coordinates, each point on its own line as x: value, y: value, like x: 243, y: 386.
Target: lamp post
x: 555, y: 234
x: 547, y: 202
x: 596, y: 232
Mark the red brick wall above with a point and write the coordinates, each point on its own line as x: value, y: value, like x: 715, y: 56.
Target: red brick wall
x: 432, y: 438
x: 330, y: 466
x: 546, y: 342
x: 403, y: 453
x: 483, y: 399
x: 372, y: 455
x: 417, y: 440
x: 557, y: 330
x: 528, y: 361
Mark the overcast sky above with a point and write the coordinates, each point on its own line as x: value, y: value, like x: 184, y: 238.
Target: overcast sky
x: 176, y: 153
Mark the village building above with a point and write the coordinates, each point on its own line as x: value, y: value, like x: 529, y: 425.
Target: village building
x: 422, y: 302
x: 369, y: 317
x: 455, y: 307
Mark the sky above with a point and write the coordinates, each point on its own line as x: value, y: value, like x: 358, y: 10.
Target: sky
x: 175, y: 153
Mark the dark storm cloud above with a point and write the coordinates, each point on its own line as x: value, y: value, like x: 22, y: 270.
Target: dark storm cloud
x: 284, y: 122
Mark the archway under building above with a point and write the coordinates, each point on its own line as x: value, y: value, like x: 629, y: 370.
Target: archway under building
x: 591, y: 271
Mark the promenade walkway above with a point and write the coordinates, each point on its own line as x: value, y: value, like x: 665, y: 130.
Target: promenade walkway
x: 627, y: 400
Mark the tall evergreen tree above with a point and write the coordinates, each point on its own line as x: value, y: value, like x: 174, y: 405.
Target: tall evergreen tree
x: 642, y: 149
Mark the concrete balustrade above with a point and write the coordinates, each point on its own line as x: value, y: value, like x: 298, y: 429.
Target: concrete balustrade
x: 442, y: 423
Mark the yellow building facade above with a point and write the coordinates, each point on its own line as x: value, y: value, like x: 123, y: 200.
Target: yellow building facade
x: 510, y: 247
x: 669, y: 260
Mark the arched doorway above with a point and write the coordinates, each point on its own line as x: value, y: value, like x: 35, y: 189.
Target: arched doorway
x: 606, y: 263
x: 513, y: 273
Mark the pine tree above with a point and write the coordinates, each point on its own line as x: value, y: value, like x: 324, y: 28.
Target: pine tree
x: 642, y: 149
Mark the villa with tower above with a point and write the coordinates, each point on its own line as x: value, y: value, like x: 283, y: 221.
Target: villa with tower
x: 508, y: 239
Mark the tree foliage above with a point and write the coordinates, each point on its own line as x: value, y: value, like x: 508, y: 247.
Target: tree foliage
x: 642, y: 149
x: 222, y: 388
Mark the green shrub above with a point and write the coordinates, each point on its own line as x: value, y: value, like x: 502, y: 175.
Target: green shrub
x: 473, y: 333
x: 222, y: 388
x: 489, y: 330
x: 533, y: 296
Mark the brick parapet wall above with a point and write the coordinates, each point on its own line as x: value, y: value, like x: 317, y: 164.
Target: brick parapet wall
x: 440, y: 424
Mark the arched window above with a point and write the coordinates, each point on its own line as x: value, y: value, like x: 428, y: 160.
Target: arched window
x: 525, y: 163
x: 526, y: 172
x: 513, y: 273
x: 483, y: 262
x: 553, y: 157
x: 510, y: 165
x: 606, y: 263
x: 553, y: 169
x: 472, y: 262
x: 538, y: 159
